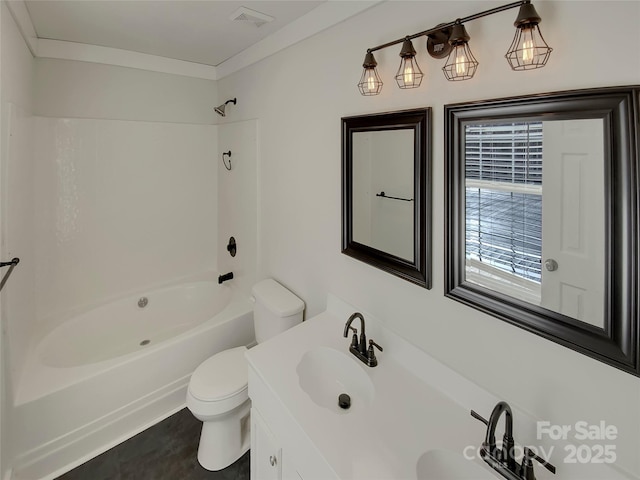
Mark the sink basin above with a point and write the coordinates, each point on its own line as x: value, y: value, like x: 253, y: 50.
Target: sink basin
x: 448, y: 465
x: 324, y: 373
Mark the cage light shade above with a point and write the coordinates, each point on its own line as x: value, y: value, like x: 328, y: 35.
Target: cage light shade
x: 461, y: 64
x: 409, y: 74
x: 370, y: 82
x: 528, y: 49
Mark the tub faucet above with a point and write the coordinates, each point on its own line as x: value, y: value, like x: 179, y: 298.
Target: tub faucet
x: 503, y: 460
x: 359, y: 347
x: 225, y: 277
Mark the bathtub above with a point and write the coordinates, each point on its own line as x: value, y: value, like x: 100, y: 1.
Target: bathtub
x: 112, y: 370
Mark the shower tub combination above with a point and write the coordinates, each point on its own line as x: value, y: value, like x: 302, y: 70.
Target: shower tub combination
x: 113, y: 370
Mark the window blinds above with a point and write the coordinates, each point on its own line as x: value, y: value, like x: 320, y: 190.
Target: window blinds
x: 504, y: 197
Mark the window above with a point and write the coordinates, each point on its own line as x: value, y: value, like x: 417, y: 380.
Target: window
x: 503, y: 170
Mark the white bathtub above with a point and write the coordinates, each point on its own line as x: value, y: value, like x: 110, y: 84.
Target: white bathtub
x: 123, y: 327
x: 113, y: 370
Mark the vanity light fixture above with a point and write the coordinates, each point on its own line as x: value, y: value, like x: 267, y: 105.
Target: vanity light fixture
x: 409, y: 74
x: 370, y: 83
x: 527, y: 51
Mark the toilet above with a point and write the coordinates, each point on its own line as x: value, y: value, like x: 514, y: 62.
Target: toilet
x: 218, y: 393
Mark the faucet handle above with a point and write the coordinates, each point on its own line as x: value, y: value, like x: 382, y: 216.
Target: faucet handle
x: 374, y: 344
x: 372, y: 361
x: 526, y: 469
x: 478, y: 417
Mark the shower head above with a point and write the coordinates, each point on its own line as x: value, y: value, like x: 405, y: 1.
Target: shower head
x: 220, y: 108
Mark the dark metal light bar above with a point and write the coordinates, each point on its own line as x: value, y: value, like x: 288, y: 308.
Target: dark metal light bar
x: 433, y: 30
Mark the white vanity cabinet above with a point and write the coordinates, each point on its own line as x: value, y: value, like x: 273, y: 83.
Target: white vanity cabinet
x: 278, y: 439
x: 266, y: 452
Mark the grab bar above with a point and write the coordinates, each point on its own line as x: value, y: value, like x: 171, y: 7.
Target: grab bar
x: 382, y: 194
x: 12, y: 264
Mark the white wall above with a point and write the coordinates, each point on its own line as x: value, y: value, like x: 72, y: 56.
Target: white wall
x: 299, y: 96
x: 68, y: 88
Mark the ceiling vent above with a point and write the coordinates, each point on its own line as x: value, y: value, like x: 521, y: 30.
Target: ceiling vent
x: 244, y: 14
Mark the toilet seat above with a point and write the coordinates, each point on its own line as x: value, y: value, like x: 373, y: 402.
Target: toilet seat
x: 220, y: 383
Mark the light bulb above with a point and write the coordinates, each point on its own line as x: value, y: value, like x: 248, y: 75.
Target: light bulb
x: 408, y: 74
x: 461, y: 62
x: 527, y: 46
x: 371, y: 81
x: 527, y: 52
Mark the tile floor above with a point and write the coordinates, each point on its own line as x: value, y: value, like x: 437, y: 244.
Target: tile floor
x: 165, y: 451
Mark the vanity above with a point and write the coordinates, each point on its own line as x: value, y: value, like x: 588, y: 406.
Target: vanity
x: 409, y: 417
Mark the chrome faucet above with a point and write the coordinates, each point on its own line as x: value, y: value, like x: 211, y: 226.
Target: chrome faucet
x: 503, y: 460
x: 358, y: 347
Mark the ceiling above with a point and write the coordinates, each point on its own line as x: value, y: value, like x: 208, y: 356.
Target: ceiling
x: 198, y: 31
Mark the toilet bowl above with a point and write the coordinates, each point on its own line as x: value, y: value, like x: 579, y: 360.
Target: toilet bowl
x: 217, y: 396
x: 218, y: 389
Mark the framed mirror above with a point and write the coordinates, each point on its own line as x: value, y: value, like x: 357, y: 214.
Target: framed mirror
x: 541, y: 213
x: 386, y: 207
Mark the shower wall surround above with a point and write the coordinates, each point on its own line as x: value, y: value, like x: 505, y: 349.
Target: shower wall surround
x: 18, y: 233
x: 16, y: 229
x: 113, y: 189
x: 120, y: 205
x: 126, y: 181
x: 237, y: 201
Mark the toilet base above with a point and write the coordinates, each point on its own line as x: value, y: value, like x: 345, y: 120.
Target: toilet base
x: 225, y: 439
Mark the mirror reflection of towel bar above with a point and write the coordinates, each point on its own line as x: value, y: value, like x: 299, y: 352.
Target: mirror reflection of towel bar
x: 11, y: 264
x: 382, y: 194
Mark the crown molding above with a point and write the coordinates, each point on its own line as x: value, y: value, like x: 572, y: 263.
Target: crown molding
x: 20, y: 14
x: 123, y: 58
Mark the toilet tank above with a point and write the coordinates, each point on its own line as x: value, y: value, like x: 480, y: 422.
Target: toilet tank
x: 275, y: 310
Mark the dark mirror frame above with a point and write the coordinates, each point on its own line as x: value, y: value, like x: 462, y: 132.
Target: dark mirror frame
x: 618, y: 343
x: 417, y: 271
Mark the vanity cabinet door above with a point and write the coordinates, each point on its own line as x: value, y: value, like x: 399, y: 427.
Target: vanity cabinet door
x: 266, y: 453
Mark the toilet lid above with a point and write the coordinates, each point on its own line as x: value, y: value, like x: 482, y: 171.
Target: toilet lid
x: 221, y: 376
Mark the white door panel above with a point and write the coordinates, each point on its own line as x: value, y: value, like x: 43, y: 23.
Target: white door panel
x: 573, y: 219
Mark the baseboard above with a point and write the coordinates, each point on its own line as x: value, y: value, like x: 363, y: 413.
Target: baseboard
x: 56, y: 458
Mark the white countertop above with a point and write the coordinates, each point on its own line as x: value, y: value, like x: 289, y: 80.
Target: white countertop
x: 419, y: 405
